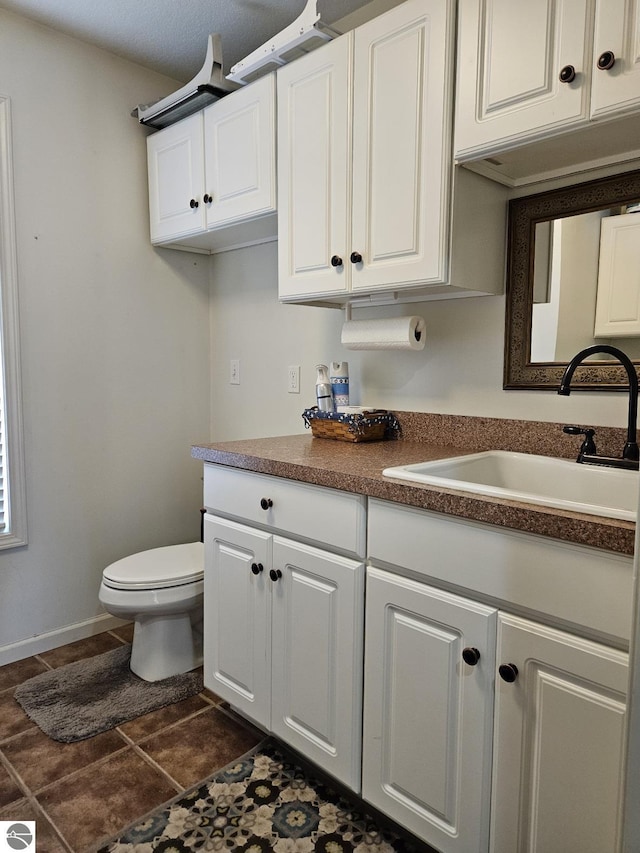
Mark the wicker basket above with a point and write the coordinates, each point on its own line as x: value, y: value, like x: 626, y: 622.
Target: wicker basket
x: 368, y: 426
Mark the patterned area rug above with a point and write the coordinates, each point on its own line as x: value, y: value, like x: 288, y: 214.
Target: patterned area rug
x: 262, y: 802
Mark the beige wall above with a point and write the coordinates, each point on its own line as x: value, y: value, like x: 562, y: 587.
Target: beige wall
x: 458, y: 372
x: 115, y: 335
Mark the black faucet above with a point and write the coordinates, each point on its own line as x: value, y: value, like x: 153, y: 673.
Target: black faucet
x: 630, y: 453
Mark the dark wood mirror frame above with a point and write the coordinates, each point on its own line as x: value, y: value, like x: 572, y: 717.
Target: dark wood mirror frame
x: 524, y: 214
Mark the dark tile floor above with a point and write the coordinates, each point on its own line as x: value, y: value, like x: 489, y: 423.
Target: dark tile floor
x: 78, y: 793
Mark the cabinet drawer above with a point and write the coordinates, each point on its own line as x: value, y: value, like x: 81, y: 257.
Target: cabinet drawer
x: 583, y: 588
x: 313, y: 513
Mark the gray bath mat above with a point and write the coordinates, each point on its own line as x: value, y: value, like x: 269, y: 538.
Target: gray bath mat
x: 82, y: 699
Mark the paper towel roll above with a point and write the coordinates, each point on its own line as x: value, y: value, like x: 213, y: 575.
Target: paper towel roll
x: 396, y: 333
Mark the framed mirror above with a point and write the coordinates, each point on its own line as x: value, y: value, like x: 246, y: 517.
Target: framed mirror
x: 573, y: 281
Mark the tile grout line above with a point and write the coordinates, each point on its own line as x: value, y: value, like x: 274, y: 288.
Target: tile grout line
x: 30, y: 797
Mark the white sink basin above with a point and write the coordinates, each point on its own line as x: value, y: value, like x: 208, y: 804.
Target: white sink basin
x: 543, y: 480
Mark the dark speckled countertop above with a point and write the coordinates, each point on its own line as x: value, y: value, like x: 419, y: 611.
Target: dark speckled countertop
x: 357, y: 467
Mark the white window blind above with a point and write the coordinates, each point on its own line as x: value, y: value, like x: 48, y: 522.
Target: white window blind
x: 13, y: 511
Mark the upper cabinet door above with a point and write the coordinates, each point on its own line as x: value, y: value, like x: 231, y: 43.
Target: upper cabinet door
x: 175, y: 158
x: 240, y: 154
x: 511, y: 57
x: 314, y: 159
x: 402, y: 105
x: 616, y: 90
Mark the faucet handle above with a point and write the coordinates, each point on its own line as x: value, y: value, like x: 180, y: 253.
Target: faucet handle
x: 588, y: 446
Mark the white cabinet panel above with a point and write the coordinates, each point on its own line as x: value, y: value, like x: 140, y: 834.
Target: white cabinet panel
x: 427, y: 713
x: 617, y: 91
x: 175, y: 161
x: 511, y: 55
x: 559, y: 743
x: 237, y: 636
x: 239, y: 157
x: 401, y: 164
x: 321, y: 515
x: 317, y: 656
x: 314, y: 159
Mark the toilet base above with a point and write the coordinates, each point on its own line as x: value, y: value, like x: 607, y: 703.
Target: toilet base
x: 165, y: 645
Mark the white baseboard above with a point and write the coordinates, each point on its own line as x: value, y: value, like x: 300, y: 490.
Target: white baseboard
x: 60, y: 637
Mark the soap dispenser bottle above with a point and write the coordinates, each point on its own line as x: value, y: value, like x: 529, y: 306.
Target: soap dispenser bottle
x: 324, y: 395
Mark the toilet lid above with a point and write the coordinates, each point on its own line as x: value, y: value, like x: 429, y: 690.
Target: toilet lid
x: 158, y: 568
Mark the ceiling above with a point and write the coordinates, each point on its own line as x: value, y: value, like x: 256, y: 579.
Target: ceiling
x: 170, y: 36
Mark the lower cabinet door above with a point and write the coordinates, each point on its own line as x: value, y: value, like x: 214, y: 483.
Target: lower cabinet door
x: 317, y: 629
x: 559, y: 742
x: 428, y: 712
x: 237, y: 641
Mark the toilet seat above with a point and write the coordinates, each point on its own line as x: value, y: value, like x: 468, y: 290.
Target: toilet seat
x: 159, y: 568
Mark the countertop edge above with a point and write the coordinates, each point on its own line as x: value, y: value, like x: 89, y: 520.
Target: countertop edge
x: 326, y: 465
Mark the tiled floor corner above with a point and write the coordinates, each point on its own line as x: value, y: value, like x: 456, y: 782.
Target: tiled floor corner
x: 78, y: 793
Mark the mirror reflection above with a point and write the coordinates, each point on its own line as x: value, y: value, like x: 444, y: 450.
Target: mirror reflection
x: 573, y: 280
x: 586, y: 277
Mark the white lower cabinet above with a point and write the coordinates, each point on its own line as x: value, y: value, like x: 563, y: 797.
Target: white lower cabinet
x: 559, y: 742
x: 523, y: 752
x: 427, y: 712
x: 283, y: 640
x: 432, y: 675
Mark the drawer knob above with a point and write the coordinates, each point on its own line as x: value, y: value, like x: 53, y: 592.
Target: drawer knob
x: 266, y: 503
x: 470, y: 656
x: 508, y: 672
x: 567, y: 74
x: 207, y: 199
x: 336, y: 261
x: 193, y: 204
x: 606, y: 60
x: 275, y: 574
x: 256, y: 568
x: 356, y: 258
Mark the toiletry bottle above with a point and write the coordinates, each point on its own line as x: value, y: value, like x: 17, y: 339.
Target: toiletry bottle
x: 323, y: 389
x: 340, y: 383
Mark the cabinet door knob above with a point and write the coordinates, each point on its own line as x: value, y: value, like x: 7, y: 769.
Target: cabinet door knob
x: 606, y: 60
x: 336, y: 261
x: 266, y: 503
x: 207, y: 199
x: 275, y: 574
x: 567, y: 74
x: 470, y: 656
x: 508, y: 672
x: 193, y: 204
x: 256, y: 568
x: 356, y: 258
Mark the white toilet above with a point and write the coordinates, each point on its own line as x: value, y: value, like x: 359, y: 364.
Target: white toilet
x: 161, y: 590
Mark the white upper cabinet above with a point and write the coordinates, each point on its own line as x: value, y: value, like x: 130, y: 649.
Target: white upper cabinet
x: 212, y: 182
x: 364, y: 163
x: 175, y: 160
x: 510, y: 59
x: 616, y: 89
x: 530, y: 73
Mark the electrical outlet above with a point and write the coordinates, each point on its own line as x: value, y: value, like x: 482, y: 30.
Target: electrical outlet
x: 293, y: 379
x: 234, y: 371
